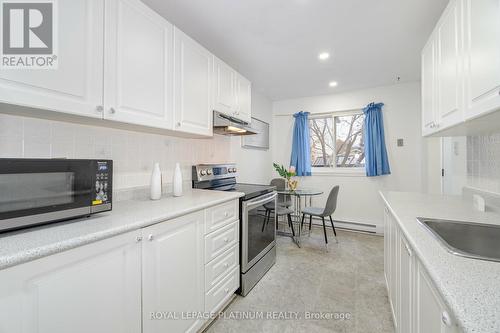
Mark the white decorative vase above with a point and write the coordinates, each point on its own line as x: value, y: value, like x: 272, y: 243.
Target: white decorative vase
x: 156, y: 182
x: 177, y: 181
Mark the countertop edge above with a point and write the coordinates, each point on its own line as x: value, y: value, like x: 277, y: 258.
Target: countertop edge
x: 32, y: 254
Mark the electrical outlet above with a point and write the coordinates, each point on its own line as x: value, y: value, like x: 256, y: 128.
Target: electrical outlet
x: 401, y: 143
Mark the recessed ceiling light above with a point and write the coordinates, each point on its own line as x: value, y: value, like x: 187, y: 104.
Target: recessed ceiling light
x: 324, y: 55
x: 333, y: 84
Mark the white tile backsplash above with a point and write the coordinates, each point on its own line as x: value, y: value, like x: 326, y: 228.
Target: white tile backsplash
x: 133, y: 153
x: 483, y: 162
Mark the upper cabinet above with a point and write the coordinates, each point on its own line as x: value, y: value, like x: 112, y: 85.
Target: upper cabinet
x: 225, y: 99
x: 138, y: 65
x: 232, y: 92
x: 244, y: 94
x: 119, y: 60
x: 193, y: 69
x: 461, y: 67
x: 481, y: 56
x: 76, y: 86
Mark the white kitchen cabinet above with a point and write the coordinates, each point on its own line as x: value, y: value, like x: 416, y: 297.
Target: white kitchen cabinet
x: 76, y: 86
x: 461, y: 69
x: 173, y: 273
x: 406, y: 272
x: 429, y: 87
x: 244, y: 97
x: 93, y: 288
x: 430, y: 311
x: 449, y: 66
x: 482, y: 57
x: 416, y: 305
x: 225, y: 98
x: 193, y: 69
x: 138, y: 65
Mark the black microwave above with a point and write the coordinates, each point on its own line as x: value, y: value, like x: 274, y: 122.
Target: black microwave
x: 39, y: 191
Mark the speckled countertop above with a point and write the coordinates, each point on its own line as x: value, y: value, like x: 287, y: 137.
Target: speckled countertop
x: 22, y: 246
x: 469, y: 287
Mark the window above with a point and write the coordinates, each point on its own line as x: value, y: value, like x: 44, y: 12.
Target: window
x: 337, y: 140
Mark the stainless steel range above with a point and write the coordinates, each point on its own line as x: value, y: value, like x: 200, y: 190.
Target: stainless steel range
x: 257, y: 230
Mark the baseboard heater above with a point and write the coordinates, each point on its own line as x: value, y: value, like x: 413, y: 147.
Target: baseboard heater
x: 345, y: 225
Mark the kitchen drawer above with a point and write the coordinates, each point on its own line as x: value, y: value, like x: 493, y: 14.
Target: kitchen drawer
x: 221, y: 215
x: 221, y: 293
x: 218, y: 268
x: 221, y: 240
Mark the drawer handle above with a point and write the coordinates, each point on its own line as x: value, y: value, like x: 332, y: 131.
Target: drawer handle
x: 150, y: 237
x: 445, y: 318
x: 226, y: 240
x: 226, y: 264
x: 226, y: 290
x: 226, y: 214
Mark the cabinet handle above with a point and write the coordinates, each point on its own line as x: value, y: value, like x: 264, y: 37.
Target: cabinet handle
x: 226, y: 264
x: 178, y: 124
x: 112, y: 110
x: 226, y: 214
x: 150, y: 237
x: 226, y: 290
x: 226, y: 240
x: 99, y: 108
x: 408, y: 249
x: 445, y: 318
x: 138, y: 239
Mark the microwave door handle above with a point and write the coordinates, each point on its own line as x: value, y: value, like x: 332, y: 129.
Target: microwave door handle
x: 262, y: 201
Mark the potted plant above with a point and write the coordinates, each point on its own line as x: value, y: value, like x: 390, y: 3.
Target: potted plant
x: 287, y: 174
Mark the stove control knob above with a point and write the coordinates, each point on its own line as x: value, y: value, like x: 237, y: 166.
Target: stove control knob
x: 234, y: 169
x: 203, y: 172
x: 209, y: 171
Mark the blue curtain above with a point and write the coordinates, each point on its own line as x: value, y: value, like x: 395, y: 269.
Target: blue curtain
x: 301, y: 149
x: 376, y: 160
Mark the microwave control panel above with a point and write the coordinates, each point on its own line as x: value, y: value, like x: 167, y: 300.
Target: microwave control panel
x: 102, y: 187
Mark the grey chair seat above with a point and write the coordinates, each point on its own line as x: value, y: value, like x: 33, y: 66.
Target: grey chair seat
x: 314, y: 211
x: 280, y: 209
x: 285, y: 204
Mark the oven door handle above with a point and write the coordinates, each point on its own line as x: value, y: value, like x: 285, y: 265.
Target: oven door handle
x: 259, y: 202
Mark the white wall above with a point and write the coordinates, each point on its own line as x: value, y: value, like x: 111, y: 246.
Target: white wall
x: 133, y: 152
x: 255, y: 165
x: 359, y: 201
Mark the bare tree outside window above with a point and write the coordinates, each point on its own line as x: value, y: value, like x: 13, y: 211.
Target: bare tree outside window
x: 337, y: 141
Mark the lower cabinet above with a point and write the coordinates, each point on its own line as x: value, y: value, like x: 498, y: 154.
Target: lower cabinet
x: 172, y: 274
x: 415, y: 303
x: 94, y: 288
x: 151, y: 280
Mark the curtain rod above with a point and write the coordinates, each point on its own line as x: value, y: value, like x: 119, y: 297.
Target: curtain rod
x: 321, y: 113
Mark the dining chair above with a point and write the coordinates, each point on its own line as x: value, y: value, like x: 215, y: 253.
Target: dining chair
x: 283, y: 199
x: 328, y: 210
x: 280, y: 211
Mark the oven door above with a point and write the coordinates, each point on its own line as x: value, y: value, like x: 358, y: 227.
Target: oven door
x: 35, y: 191
x: 258, y: 236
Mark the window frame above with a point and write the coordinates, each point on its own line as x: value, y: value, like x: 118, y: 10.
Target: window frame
x: 334, y: 169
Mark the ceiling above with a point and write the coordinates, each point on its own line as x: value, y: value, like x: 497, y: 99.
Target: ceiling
x: 275, y: 43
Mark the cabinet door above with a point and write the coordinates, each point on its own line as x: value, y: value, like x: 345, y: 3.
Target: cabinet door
x: 430, y: 311
x: 224, y: 88
x: 76, y: 85
x: 93, y: 288
x: 394, y: 271
x: 138, y: 65
x: 173, y: 273
x: 244, y: 93
x: 406, y: 268
x: 193, y: 68
x: 428, y: 87
x: 449, y: 66
x: 482, y: 56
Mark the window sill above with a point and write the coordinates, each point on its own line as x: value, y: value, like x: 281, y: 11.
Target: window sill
x: 358, y: 172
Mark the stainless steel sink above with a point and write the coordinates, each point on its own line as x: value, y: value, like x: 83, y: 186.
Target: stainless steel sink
x: 472, y: 240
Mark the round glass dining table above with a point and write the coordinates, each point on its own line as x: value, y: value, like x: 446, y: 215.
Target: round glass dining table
x: 297, y: 196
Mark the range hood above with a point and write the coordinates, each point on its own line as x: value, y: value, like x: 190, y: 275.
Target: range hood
x: 227, y: 125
